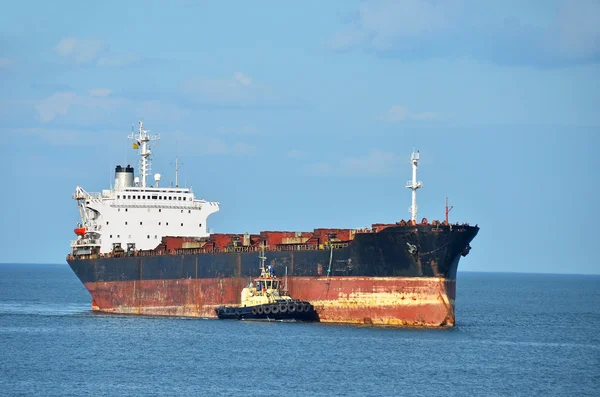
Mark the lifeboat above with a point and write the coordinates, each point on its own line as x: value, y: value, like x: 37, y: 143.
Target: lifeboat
x: 80, y: 231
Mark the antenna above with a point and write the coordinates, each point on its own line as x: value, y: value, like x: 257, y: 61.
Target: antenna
x: 141, y: 142
x: 414, y: 185
x: 177, y: 163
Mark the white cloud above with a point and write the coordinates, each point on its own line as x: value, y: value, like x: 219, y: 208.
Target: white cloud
x: 86, y: 50
x: 202, y: 144
x: 391, y: 22
x: 578, y: 28
x: 5, y: 62
x: 167, y: 112
x: 243, y: 130
x: 558, y: 33
x: 397, y: 113
x: 97, y: 104
x: 79, y: 50
x: 117, y: 60
x: 237, y: 90
x: 346, y: 39
x: 297, y: 154
x: 103, y: 92
x: 55, y: 105
x: 89, y: 107
x: 242, y: 78
x: 374, y: 163
x: 62, y: 137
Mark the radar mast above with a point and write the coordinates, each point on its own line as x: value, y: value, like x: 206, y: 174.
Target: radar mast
x: 140, y: 142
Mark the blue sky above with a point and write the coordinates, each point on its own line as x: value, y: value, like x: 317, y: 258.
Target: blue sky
x: 302, y: 115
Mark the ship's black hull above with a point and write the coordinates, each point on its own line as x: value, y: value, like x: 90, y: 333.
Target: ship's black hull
x: 389, y: 253
x: 404, y: 275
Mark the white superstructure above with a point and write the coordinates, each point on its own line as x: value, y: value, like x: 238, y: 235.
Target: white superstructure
x: 414, y: 185
x: 136, y: 216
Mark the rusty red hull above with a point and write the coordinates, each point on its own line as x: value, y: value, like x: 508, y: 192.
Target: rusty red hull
x: 404, y: 301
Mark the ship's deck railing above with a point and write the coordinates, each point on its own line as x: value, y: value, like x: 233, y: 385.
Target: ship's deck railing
x: 86, y: 243
x: 188, y: 251
x: 154, y: 204
x: 304, y: 247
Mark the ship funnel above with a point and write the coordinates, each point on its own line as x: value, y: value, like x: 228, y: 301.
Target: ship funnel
x: 123, y: 177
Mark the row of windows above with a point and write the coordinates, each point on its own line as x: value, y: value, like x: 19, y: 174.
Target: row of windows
x: 159, y: 223
x: 119, y: 236
x: 155, y: 197
x: 159, y: 210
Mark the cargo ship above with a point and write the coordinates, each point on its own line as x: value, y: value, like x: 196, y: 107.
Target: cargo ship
x: 145, y: 249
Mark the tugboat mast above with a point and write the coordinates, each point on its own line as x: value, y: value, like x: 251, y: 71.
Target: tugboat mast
x: 414, y: 185
x: 141, y: 143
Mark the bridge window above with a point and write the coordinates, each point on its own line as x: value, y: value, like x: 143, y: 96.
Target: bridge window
x: 170, y: 198
x: 159, y: 210
x: 140, y: 223
x: 182, y: 224
x: 155, y: 236
x: 189, y: 211
x: 179, y: 198
x: 111, y: 236
x: 125, y: 222
x: 125, y: 209
x: 158, y: 223
x: 148, y: 236
x: 107, y: 222
x: 200, y: 225
x: 118, y: 196
x: 167, y: 223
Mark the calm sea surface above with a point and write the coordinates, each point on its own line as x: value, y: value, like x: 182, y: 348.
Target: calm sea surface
x: 516, y: 335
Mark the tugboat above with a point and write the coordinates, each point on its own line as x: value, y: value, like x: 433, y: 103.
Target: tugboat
x: 262, y: 300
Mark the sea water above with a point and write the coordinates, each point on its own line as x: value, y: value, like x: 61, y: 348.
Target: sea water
x: 515, y: 335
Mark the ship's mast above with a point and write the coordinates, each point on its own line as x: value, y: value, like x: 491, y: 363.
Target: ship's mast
x: 176, y: 172
x: 141, y: 142
x: 262, y: 258
x: 414, y: 185
x: 448, y: 209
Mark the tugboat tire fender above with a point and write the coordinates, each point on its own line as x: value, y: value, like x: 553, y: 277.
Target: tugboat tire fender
x: 254, y: 311
x: 259, y: 310
x: 283, y: 308
x: 291, y: 308
x: 275, y: 309
x: 267, y: 310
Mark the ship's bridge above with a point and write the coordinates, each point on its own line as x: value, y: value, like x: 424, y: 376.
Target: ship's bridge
x: 133, y: 213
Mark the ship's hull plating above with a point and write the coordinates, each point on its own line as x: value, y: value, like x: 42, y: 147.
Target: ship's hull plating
x: 377, y: 279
